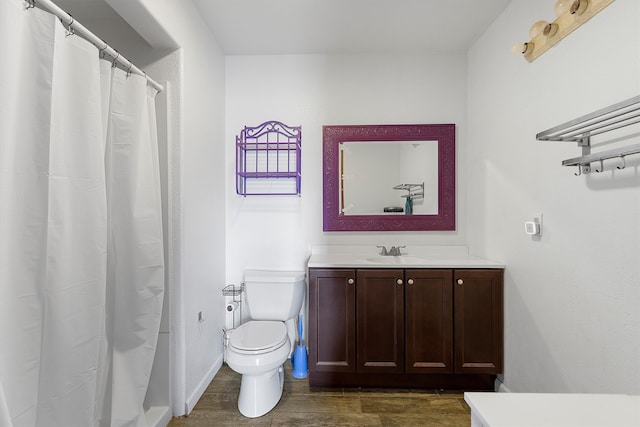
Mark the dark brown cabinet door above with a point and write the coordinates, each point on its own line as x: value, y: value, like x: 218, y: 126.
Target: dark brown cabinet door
x: 380, y: 321
x: 429, y: 321
x: 332, y: 317
x: 478, y: 319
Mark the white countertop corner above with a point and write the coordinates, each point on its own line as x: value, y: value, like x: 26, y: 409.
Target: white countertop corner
x: 553, y: 409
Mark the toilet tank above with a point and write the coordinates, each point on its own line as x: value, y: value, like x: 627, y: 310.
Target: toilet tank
x: 274, y: 295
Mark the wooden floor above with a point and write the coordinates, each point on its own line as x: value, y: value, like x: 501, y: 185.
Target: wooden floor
x: 304, y: 406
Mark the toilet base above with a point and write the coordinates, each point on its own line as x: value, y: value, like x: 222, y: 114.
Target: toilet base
x: 259, y: 394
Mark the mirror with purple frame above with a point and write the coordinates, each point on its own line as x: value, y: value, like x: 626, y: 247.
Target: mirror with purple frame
x: 389, y: 177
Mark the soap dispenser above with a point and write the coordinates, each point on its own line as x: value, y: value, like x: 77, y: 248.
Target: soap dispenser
x: 408, y: 206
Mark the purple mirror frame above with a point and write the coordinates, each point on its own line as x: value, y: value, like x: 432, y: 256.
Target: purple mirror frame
x: 332, y: 136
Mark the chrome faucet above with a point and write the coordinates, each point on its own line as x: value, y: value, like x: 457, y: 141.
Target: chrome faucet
x: 395, y: 250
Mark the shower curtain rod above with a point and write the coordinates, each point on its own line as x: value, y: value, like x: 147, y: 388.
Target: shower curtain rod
x: 76, y: 28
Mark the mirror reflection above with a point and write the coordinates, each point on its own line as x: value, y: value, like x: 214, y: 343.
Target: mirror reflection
x: 388, y: 178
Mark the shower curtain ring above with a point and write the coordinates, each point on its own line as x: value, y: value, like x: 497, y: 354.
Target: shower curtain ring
x: 579, y: 171
x: 102, y: 50
x: 30, y: 4
x: 129, y: 70
x: 115, y: 59
x: 69, y: 31
x: 624, y: 163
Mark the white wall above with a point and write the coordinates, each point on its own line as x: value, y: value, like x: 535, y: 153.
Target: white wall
x: 317, y: 90
x: 196, y: 178
x: 165, y: 70
x: 572, y: 298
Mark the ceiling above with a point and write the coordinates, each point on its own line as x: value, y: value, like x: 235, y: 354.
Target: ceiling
x: 247, y: 27
x: 347, y: 26
x: 99, y: 18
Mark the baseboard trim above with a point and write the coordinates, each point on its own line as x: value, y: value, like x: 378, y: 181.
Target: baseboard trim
x: 158, y: 416
x: 194, y: 397
x: 500, y: 387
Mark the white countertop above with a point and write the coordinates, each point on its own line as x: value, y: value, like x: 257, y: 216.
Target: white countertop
x: 553, y: 410
x: 412, y: 257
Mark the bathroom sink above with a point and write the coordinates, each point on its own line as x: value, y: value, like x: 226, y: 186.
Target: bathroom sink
x: 384, y: 260
x: 396, y: 260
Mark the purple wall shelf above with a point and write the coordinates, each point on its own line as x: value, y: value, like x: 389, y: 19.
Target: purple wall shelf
x: 268, y: 160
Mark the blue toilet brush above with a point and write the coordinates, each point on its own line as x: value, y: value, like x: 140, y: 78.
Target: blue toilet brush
x: 299, y: 357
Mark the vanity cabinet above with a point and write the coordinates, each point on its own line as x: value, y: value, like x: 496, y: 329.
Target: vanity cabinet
x: 405, y: 327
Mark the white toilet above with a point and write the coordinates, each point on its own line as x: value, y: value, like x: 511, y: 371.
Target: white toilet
x: 258, y: 348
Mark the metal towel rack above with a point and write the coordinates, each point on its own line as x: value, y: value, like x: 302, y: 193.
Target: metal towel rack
x: 415, y: 191
x: 581, y: 130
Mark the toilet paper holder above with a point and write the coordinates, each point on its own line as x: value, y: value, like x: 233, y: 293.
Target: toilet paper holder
x: 233, y: 305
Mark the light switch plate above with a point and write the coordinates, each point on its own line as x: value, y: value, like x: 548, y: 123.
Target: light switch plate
x: 534, y: 228
x: 531, y: 227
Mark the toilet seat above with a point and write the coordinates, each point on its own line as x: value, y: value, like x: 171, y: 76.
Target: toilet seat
x: 257, y: 337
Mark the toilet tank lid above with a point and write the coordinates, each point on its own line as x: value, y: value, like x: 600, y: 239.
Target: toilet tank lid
x: 273, y: 276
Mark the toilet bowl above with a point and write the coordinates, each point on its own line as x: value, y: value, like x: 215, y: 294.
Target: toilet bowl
x: 258, y: 348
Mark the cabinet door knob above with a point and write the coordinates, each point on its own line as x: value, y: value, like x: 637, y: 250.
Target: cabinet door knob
x: 460, y: 281
x: 351, y: 281
x: 399, y: 281
x: 410, y: 282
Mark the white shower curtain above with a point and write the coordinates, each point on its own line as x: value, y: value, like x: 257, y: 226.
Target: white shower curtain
x: 81, y: 257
